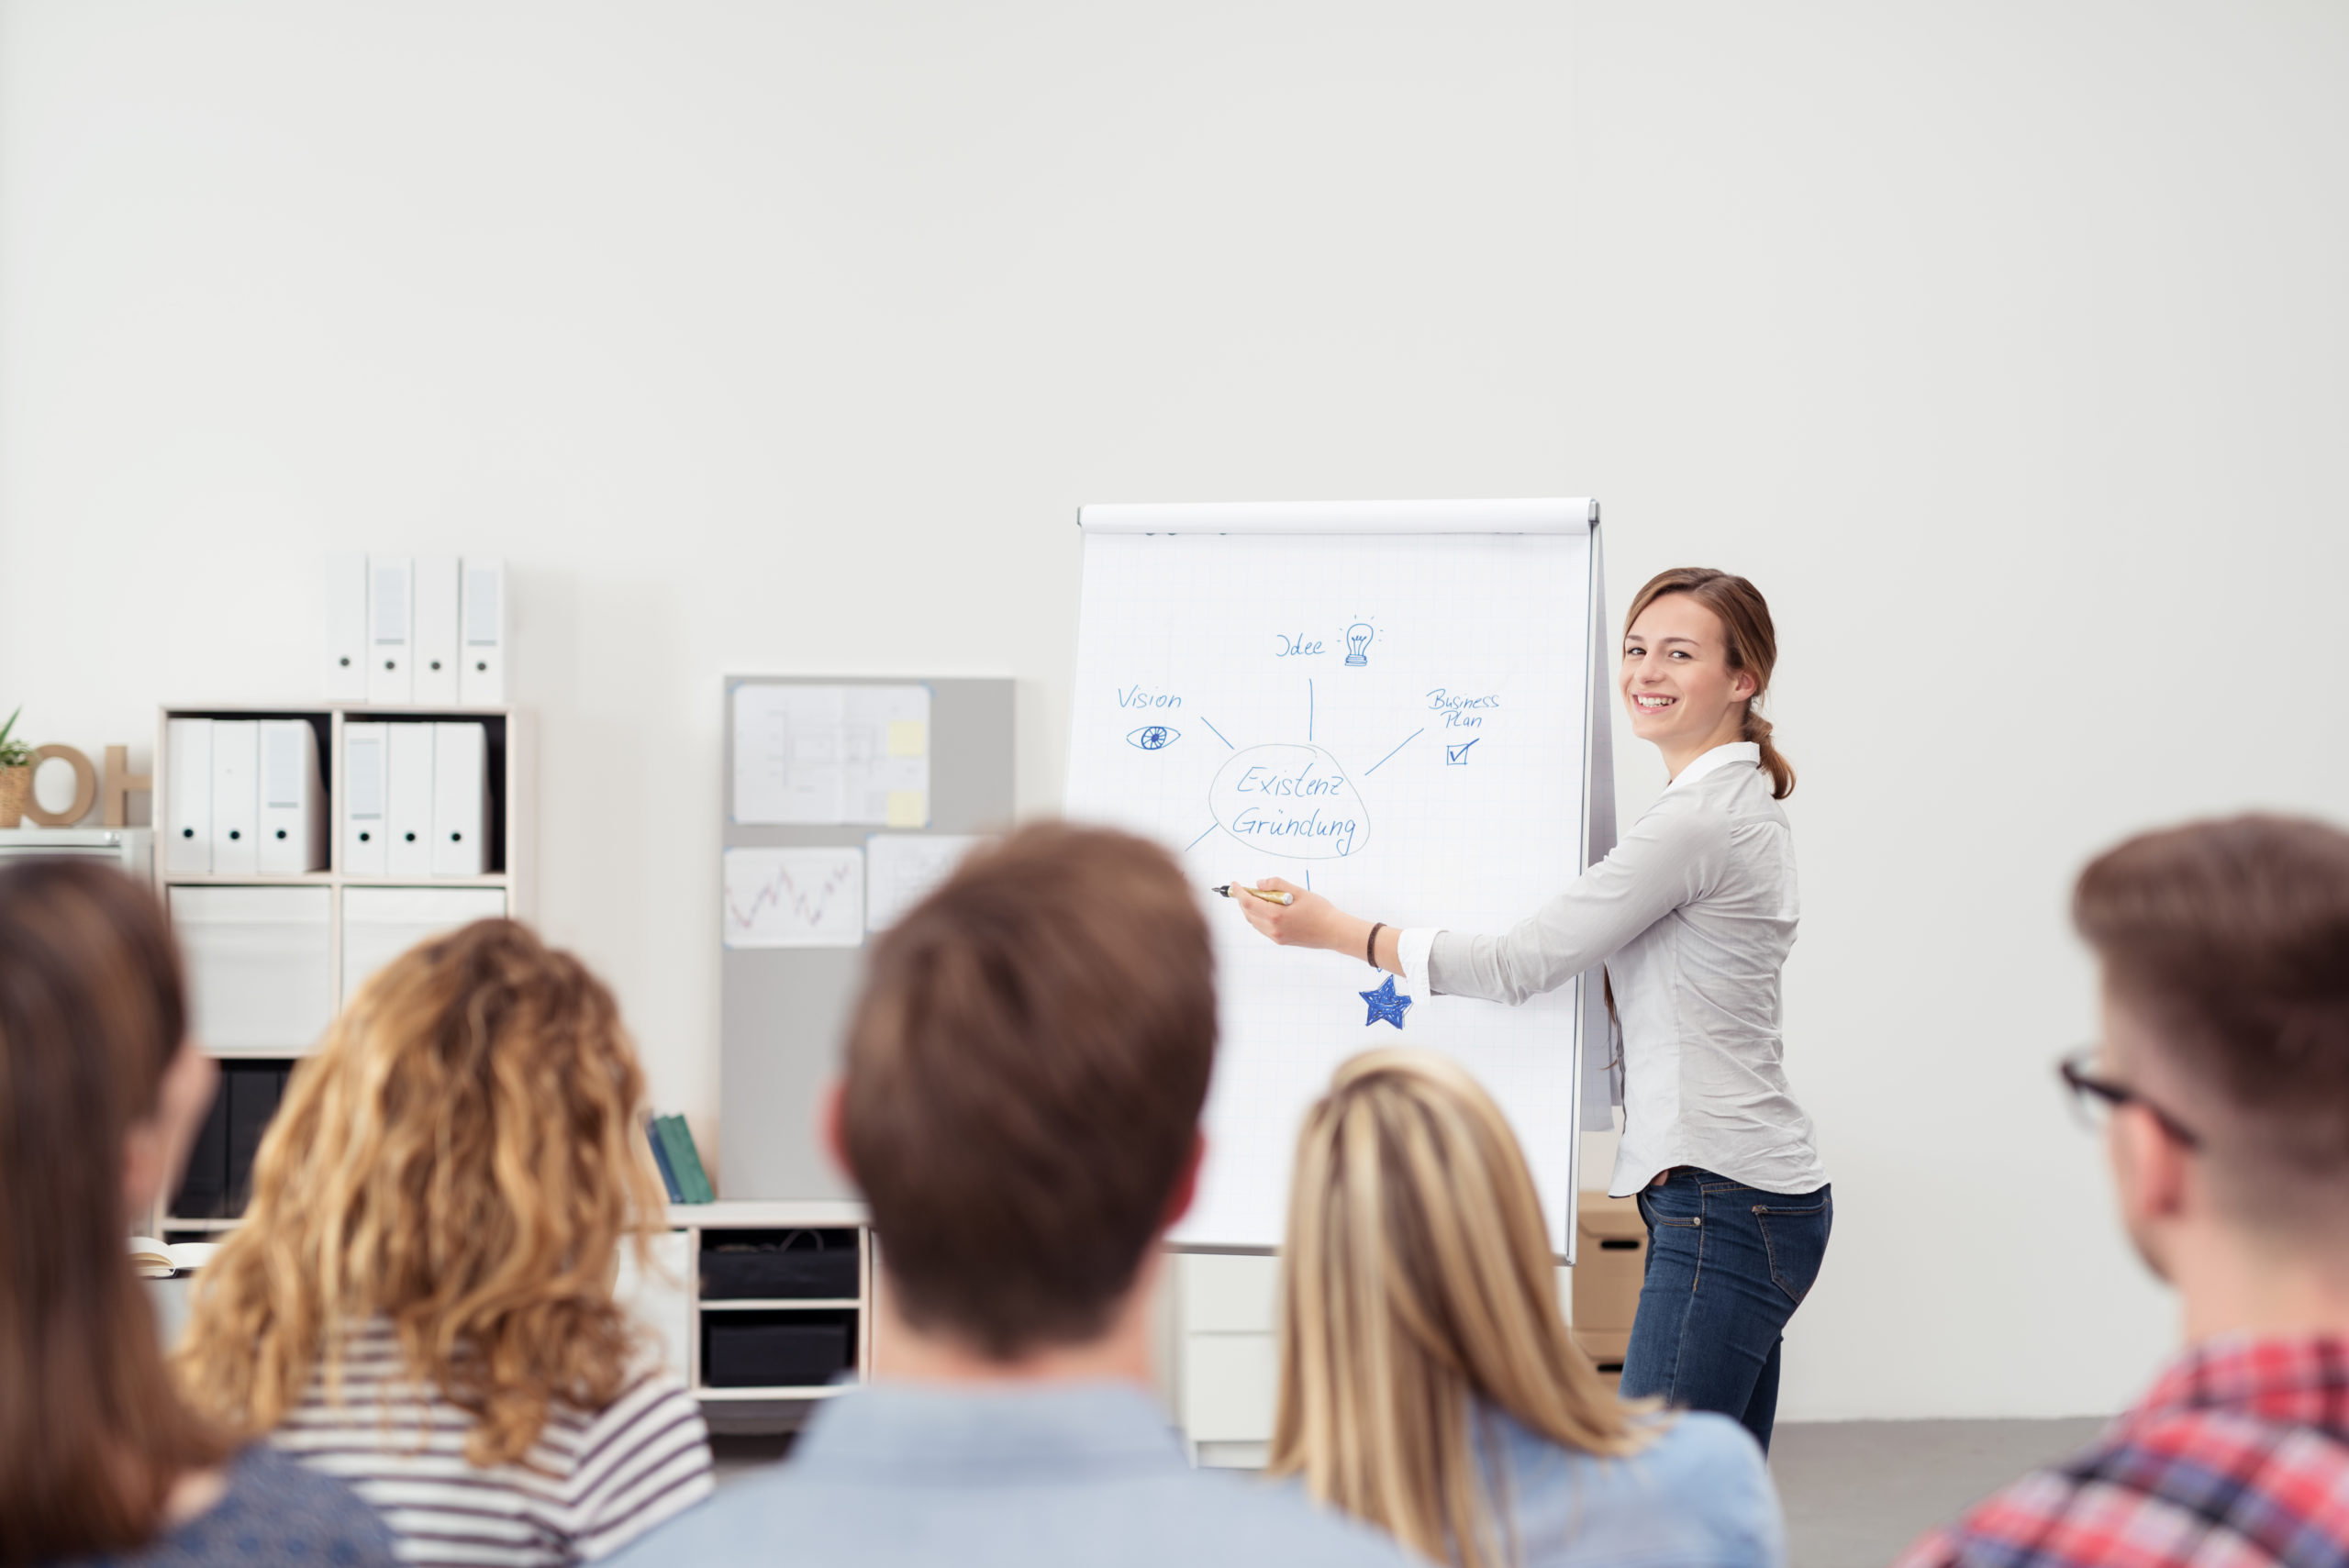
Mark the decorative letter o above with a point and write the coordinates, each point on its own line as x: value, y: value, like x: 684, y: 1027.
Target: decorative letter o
x: 85, y: 788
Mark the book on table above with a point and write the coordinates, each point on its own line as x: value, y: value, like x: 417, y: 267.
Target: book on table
x: 150, y: 1259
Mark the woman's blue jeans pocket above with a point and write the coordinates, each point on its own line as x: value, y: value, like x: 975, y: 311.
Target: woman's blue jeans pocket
x: 1794, y: 1233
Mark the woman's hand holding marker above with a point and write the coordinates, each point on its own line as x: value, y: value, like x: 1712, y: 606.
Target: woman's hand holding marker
x: 1307, y: 921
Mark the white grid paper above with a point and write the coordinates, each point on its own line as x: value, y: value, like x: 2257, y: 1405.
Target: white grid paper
x: 1200, y: 617
x: 794, y: 896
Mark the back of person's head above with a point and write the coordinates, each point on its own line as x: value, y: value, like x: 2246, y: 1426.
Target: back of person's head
x: 1417, y: 1280
x: 2226, y: 943
x: 92, y: 1018
x: 1025, y: 1072
x: 461, y: 1156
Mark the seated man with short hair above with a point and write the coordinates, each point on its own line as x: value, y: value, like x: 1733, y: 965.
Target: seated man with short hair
x: 1026, y: 1068
x: 2224, y: 1078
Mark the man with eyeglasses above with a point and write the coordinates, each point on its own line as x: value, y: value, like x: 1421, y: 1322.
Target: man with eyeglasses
x: 2223, y: 1084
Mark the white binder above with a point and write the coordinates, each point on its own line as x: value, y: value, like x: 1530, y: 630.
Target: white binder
x: 187, y: 844
x: 460, y: 799
x: 390, y: 622
x: 236, y: 798
x: 362, y: 800
x: 292, y: 799
x: 481, y: 681
x: 346, y: 627
x: 437, y: 643
x: 408, y: 799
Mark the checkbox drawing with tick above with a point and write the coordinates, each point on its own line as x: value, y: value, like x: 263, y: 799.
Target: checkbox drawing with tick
x: 1457, y: 756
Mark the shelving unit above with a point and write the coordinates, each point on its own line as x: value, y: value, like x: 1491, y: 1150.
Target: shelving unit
x: 511, y: 753
x: 682, y: 1315
x: 670, y: 1302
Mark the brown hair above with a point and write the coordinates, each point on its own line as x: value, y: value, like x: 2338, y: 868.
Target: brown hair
x: 461, y: 1156
x: 1025, y: 1070
x: 1753, y: 646
x: 1417, y: 1279
x: 2230, y: 939
x: 92, y: 1015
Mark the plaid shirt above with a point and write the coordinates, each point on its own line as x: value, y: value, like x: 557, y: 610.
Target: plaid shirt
x: 2239, y: 1457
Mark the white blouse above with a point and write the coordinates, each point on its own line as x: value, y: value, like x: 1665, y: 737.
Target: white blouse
x: 1693, y: 913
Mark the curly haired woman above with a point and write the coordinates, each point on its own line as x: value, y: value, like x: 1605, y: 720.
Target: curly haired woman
x: 421, y: 1298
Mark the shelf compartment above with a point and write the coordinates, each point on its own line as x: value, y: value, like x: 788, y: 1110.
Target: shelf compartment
x: 218, y: 1175
x: 797, y: 1265
x: 769, y: 1349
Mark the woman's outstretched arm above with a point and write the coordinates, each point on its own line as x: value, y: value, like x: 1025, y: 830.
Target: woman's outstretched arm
x: 1666, y: 859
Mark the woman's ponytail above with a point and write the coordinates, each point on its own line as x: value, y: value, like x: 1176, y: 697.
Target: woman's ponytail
x: 1753, y: 646
x: 1781, y: 772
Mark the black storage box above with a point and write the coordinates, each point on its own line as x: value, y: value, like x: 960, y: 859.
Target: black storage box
x: 768, y: 1351
x: 779, y: 1265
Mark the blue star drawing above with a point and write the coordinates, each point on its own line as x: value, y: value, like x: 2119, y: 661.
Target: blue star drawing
x: 1385, y: 1004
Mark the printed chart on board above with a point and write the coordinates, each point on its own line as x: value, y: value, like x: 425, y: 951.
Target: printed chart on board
x: 1397, y: 721
x: 794, y: 897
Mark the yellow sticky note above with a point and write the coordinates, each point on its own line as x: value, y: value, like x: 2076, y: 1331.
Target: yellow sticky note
x: 909, y: 808
x: 908, y: 738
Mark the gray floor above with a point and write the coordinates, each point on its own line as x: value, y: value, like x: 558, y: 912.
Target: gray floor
x: 1855, y: 1492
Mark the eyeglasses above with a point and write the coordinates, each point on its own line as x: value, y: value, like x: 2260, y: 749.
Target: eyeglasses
x: 2095, y: 1098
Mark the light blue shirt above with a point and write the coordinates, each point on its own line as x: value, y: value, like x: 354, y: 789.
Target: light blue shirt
x: 895, y: 1475
x: 1699, y: 1497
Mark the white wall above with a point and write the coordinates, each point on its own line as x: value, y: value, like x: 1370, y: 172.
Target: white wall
x: 2002, y: 344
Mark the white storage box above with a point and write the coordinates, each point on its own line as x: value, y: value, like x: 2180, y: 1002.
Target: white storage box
x: 260, y: 964
x: 381, y: 923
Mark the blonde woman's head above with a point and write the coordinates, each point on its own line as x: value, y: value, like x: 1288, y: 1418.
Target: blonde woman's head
x: 461, y: 1156
x: 1419, y: 1283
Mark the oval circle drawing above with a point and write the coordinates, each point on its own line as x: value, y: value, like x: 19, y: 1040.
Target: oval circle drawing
x: 1153, y: 737
x: 1290, y: 800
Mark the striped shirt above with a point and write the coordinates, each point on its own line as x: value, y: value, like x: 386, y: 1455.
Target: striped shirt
x: 590, y: 1484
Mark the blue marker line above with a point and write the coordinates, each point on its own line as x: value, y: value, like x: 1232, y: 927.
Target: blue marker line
x: 1308, y: 879
x: 1194, y: 843
x: 1382, y: 761
x: 1218, y: 734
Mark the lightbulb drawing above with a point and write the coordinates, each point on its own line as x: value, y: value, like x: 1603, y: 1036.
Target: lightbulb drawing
x: 1358, y: 638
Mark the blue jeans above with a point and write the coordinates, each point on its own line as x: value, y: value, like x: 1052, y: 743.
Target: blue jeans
x: 1727, y: 1266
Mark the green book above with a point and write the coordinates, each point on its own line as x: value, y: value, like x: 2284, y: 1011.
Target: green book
x: 685, y: 1160
x: 708, y: 1194
x: 674, y: 1138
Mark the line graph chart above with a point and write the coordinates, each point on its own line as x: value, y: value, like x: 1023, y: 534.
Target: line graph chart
x: 795, y: 897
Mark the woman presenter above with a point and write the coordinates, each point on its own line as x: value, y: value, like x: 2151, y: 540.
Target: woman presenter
x: 1692, y: 914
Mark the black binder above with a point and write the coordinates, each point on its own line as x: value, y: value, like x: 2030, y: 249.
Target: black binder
x: 254, y: 1090
x: 204, y: 1189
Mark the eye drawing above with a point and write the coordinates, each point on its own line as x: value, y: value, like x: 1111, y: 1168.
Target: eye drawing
x: 1153, y: 738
